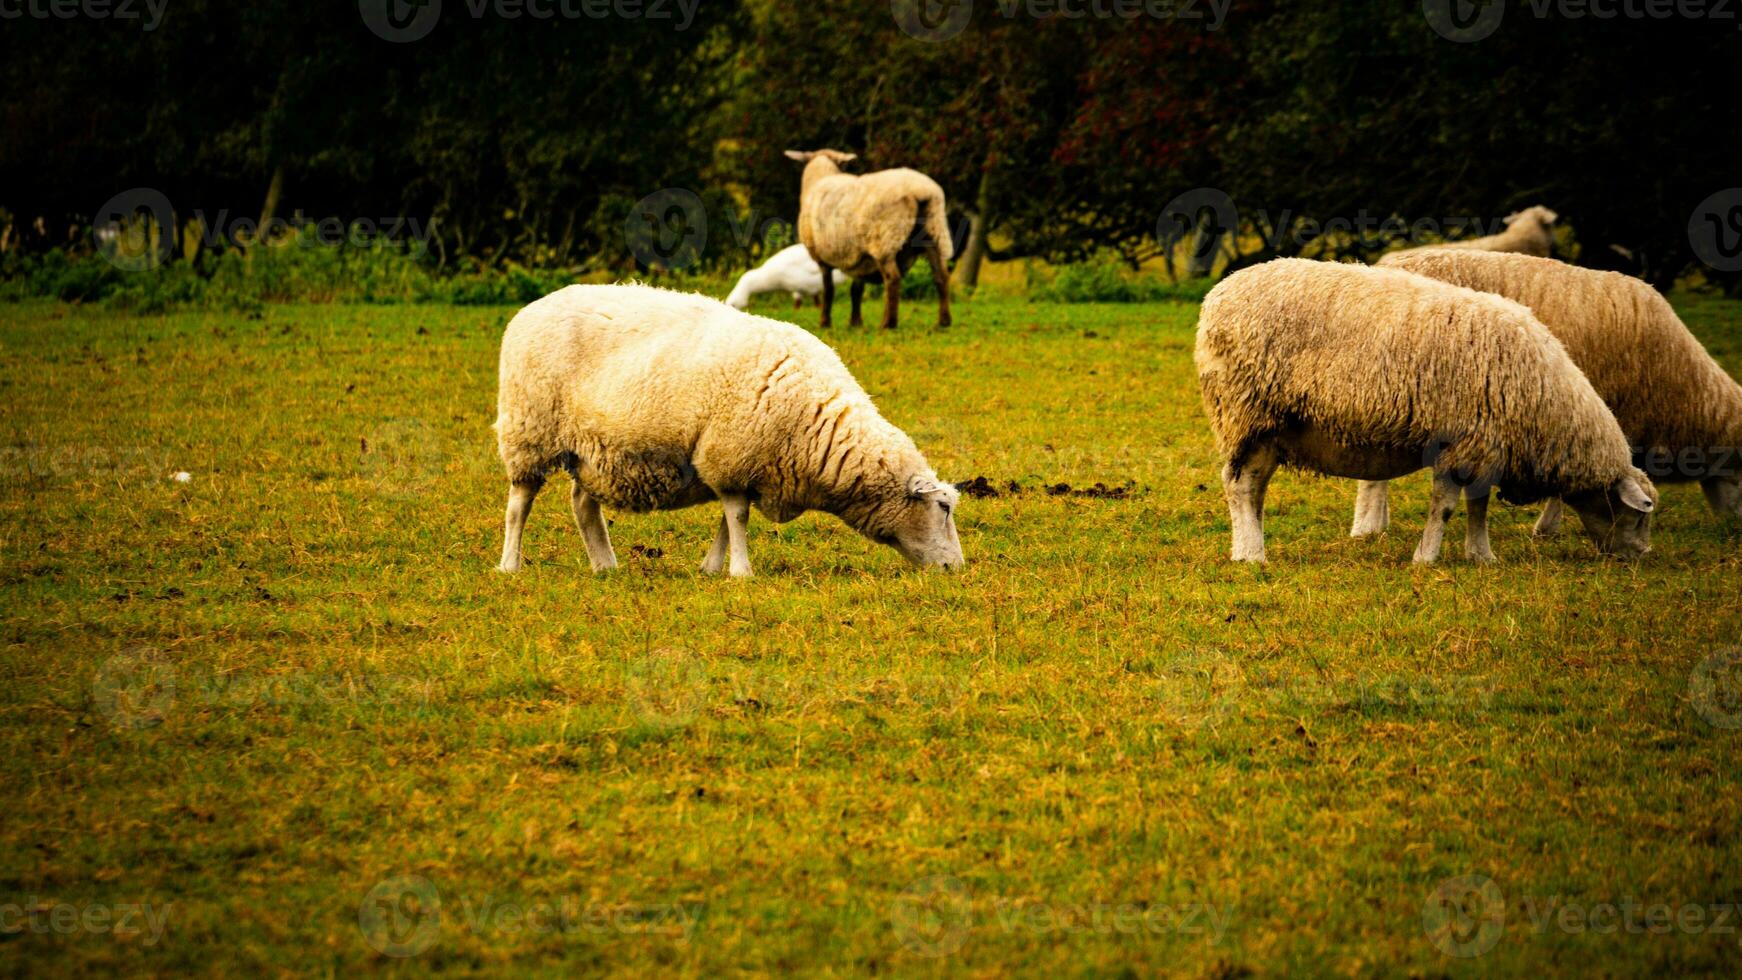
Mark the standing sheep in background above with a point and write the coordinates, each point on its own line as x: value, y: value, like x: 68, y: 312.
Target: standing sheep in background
x: 1373, y: 373
x: 1680, y: 411
x: 790, y: 270
x: 1530, y: 231
x: 656, y: 400
x: 874, y: 225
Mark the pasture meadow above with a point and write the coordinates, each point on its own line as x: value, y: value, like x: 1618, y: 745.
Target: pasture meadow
x: 285, y: 716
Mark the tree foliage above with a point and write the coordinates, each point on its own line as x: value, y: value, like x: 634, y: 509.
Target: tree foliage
x: 529, y: 140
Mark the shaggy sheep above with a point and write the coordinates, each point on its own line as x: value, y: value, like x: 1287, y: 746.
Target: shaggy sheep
x: 656, y: 400
x: 1373, y: 373
x: 1530, y: 231
x: 1680, y: 411
x: 875, y: 225
x: 790, y: 270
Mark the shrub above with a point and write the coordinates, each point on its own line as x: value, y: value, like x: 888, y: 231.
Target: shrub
x: 1105, y: 279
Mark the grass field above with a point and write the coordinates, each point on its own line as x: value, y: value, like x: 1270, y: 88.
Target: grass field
x: 285, y: 716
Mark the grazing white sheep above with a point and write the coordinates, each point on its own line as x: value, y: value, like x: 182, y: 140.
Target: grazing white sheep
x: 1681, y: 412
x: 656, y: 400
x: 1530, y: 232
x: 790, y: 270
x: 873, y: 226
x: 1374, y: 373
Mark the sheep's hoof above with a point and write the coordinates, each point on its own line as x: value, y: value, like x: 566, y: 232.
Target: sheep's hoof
x: 507, y: 569
x: 1482, y: 557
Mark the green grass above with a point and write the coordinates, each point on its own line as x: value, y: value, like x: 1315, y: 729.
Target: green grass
x: 249, y: 699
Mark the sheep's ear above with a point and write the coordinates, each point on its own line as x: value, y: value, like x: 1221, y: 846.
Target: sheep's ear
x: 1549, y: 217
x: 920, y: 484
x: 846, y: 157
x: 802, y: 156
x: 1634, y: 495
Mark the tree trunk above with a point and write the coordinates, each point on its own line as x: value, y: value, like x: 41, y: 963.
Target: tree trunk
x: 268, y: 210
x: 1205, y: 244
x: 979, y: 220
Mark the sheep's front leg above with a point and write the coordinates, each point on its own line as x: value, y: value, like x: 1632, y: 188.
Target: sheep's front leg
x: 593, y: 531
x: 1549, y: 524
x: 1244, y: 487
x: 1476, y: 547
x: 891, y: 292
x: 1441, y: 507
x: 520, y: 497
x: 737, y: 509
x: 940, y: 274
x: 715, y: 563
x: 1372, y: 508
x: 857, y: 292
x: 828, y: 298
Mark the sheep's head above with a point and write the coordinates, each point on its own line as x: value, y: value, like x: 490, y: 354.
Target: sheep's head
x: 923, y: 528
x: 1618, y: 518
x: 1536, y: 217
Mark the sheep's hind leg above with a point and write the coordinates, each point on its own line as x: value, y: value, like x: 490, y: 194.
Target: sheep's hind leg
x: 891, y: 292
x: 857, y: 292
x: 1549, y: 524
x: 737, y: 509
x: 828, y: 297
x: 593, y: 531
x: 520, y: 496
x: 940, y: 274
x: 715, y: 563
x: 1442, y: 506
x: 1244, y: 487
x: 1476, y: 546
x: 1372, y: 508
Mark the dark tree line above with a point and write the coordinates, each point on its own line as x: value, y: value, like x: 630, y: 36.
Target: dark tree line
x: 527, y: 140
